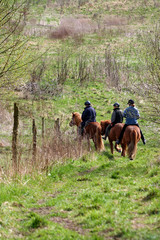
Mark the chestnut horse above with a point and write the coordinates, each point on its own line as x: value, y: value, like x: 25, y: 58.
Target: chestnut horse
x: 91, y: 131
x: 129, y: 141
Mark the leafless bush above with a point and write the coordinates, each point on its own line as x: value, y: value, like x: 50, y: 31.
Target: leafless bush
x: 63, y: 147
x: 70, y: 26
x: 82, y: 2
x: 98, y: 68
x: 80, y: 25
x: 114, y: 21
x: 78, y: 3
x: 156, y: 3
x: 62, y: 69
x: 83, y: 70
x: 33, y: 86
x: 56, y: 147
x: 112, y: 70
x: 151, y: 82
x: 48, y: 79
x: 38, y: 71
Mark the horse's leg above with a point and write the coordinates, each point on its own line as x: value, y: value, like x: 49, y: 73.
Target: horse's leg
x: 111, y: 145
x: 117, y: 148
x: 89, y: 144
x: 95, y: 142
x: 124, y: 146
x: 131, y: 154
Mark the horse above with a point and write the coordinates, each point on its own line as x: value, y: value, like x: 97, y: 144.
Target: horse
x: 91, y: 131
x: 129, y: 141
x: 104, y: 124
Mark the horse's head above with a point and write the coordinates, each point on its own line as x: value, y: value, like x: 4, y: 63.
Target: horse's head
x: 72, y: 122
x: 104, y: 125
x: 76, y: 119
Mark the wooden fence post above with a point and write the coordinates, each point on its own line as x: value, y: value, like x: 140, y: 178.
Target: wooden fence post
x: 34, y: 131
x: 14, y: 138
x: 42, y: 127
x: 57, y: 126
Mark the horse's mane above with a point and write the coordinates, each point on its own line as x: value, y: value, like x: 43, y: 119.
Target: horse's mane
x: 77, y: 114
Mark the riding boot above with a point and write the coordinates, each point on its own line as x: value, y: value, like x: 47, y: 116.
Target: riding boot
x: 142, y: 137
x: 106, y: 135
x: 121, y: 135
x: 82, y: 130
x: 107, y: 132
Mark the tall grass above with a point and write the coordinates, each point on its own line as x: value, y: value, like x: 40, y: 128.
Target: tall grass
x: 55, y: 147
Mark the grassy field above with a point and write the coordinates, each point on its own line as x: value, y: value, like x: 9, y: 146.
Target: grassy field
x: 98, y: 196
x: 94, y: 196
x: 110, y: 54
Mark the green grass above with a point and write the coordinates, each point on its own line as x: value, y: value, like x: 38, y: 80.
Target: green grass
x: 98, y: 195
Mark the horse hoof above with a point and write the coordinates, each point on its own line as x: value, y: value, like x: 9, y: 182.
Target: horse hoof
x: 119, y: 150
x: 131, y: 158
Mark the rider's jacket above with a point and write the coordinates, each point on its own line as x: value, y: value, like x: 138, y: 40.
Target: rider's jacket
x: 89, y: 114
x: 117, y: 116
x: 131, y: 114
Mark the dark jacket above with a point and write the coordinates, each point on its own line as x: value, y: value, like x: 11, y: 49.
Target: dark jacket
x: 117, y: 116
x: 89, y: 114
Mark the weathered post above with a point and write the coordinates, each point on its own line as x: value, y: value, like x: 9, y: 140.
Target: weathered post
x: 14, y: 138
x: 57, y: 126
x: 42, y: 127
x: 34, y: 131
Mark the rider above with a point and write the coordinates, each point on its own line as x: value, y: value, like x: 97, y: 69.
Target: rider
x: 131, y: 114
x: 88, y: 115
x: 117, y: 117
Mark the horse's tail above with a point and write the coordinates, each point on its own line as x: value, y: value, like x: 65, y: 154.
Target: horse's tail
x: 99, y: 141
x: 132, y: 147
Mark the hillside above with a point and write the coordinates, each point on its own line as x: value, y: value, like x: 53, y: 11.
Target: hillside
x: 60, y: 54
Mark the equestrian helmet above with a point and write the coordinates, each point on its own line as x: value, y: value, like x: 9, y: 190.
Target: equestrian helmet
x: 116, y: 104
x: 130, y: 101
x: 87, y: 103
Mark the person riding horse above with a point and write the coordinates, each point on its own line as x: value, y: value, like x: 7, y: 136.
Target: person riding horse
x: 131, y: 114
x: 117, y: 117
x: 88, y: 115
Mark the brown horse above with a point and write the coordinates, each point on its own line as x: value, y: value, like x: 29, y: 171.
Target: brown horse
x: 129, y: 141
x: 91, y: 131
x: 104, y: 124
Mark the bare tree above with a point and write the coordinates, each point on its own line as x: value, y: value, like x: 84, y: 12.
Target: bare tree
x: 13, y: 43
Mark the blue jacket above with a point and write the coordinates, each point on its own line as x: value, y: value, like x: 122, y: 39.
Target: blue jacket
x: 89, y: 114
x: 131, y: 114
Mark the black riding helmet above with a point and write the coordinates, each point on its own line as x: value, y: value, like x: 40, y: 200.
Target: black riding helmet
x: 130, y: 101
x: 116, y: 104
x: 87, y: 103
